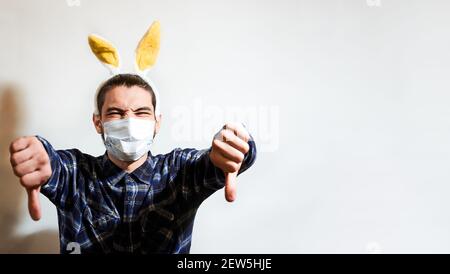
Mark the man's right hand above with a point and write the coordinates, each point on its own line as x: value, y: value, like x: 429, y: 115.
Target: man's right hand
x: 30, y: 162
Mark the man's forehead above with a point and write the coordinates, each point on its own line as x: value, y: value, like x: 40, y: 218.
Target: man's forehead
x: 132, y: 97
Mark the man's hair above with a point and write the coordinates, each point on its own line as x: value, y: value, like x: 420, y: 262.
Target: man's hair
x: 126, y: 80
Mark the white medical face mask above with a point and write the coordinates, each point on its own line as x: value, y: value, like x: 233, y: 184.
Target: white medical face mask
x: 128, y: 139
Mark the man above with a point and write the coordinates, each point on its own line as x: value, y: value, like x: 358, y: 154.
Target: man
x: 129, y: 200
x: 108, y: 204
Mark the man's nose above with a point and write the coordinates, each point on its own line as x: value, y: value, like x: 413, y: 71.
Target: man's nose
x: 128, y: 114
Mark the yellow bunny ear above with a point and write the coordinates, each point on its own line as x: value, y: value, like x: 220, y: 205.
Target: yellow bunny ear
x: 105, y: 51
x: 148, y: 48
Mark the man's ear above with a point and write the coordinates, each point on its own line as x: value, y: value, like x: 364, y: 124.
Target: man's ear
x: 97, y: 123
x: 158, y: 123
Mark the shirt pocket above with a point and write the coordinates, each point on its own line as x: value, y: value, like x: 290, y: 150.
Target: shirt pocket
x: 100, y: 226
x: 158, y: 226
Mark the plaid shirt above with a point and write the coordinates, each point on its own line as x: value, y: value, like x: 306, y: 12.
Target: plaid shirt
x: 150, y: 210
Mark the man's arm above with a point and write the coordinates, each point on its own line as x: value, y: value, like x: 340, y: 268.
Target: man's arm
x: 232, y: 152
x: 40, y: 168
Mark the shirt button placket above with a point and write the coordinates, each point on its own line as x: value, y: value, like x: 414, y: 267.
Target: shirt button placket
x: 129, y: 197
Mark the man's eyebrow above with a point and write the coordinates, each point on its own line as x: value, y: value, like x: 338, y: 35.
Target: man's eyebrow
x: 114, y: 109
x: 142, y: 109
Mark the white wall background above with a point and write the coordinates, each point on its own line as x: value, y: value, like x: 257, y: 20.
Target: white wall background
x: 361, y: 88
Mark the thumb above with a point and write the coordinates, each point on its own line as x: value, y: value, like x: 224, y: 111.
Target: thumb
x: 34, y: 205
x: 230, y: 186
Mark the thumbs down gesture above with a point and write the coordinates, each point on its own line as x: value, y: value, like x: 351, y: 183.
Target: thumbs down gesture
x: 228, y: 150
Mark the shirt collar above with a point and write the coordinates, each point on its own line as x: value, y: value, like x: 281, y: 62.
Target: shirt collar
x: 114, y: 173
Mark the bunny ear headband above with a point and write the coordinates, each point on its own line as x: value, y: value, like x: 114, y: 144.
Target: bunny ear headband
x: 146, y: 54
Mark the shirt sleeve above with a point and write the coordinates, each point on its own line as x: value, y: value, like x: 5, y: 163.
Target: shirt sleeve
x: 201, y: 178
x: 61, y: 187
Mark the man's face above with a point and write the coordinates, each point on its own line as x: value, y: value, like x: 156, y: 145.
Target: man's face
x: 126, y: 102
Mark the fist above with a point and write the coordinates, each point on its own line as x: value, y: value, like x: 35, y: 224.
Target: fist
x: 228, y: 150
x: 31, y: 164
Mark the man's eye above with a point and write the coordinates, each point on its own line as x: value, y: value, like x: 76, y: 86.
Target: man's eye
x: 143, y: 113
x: 114, y: 113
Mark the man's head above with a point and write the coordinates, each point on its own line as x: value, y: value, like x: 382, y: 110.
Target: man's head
x: 125, y: 96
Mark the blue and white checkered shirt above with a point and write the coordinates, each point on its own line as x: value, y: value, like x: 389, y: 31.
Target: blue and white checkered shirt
x: 150, y: 210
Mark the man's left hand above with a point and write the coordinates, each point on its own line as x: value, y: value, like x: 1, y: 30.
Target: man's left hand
x: 229, y: 147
